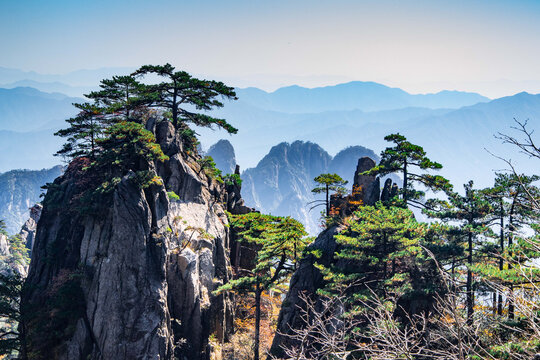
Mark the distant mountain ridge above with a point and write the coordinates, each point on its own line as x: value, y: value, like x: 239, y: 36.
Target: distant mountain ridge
x: 367, y: 96
x: 25, y: 109
x: 83, y: 77
x: 51, y: 87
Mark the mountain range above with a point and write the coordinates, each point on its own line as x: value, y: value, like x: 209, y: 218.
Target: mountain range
x: 368, y: 96
x: 450, y: 125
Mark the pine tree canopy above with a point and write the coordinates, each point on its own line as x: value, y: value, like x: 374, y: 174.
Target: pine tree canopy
x: 181, y: 90
x: 84, y: 131
x: 280, y: 242
x: 403, y: 158
x: 120, y: 95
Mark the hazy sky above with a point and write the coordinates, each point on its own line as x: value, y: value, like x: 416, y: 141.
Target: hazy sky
x: 488, y: 46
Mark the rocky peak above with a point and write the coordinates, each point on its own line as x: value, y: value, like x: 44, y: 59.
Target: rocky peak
x: 140, y: 273
x: 28, y: 230
x: 223, y: 154
x: 366, y: 188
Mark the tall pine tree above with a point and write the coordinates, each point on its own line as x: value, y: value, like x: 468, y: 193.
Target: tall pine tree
x: 470, y: 211
x: 409, y: 160
x: 279, y: 242
x: 181, y: 91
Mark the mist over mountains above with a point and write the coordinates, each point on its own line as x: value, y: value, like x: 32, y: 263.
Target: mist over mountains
x: 368, y: 96
x: 454, y: 127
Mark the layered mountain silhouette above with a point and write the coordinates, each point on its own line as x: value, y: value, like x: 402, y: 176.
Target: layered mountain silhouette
x: 452, y: 126
x: 368, y: 96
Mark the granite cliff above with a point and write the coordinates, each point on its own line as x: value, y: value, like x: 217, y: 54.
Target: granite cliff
x: 134, y: 280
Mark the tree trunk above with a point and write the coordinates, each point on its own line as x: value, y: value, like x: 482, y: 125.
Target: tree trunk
x: 501, y: 261
x: 257, y: 322
x: 327, y: 201
x: 175, y: 111
x: 470, y: 297
x: 405, y: 182
x: 127, y: 103
x: 511, y: 311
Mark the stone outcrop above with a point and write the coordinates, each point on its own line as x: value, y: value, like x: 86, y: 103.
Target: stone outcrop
x: 139, y: 273
x: 365, y: 190
x: 308, y: 278
x: 28, y: 230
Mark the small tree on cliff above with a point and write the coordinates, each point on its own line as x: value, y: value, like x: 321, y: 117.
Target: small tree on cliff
x: 325, y: 184
x: 511, y: 211
x: 404, y: 157
x: 127, y: 146
x: 181, y: 90
x: 83, y: 132
x: 279, y: 241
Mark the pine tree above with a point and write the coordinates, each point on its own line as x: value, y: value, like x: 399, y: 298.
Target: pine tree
x: 471, y: 211
x: 403, y: 158
x: 511, y: 211
x: 10, y: 314
x: 279, y: 242
x: 181, y: 90
x: 325, y: 184
x: 83, y: 132
x: 120, y: 95
x: 381, y: 252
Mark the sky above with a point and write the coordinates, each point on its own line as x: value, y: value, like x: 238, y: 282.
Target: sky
x: 488, y: 46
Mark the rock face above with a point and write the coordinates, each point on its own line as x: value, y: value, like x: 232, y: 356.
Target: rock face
x: 367, y: 187
x: 139, y: 275
x: 28, y: 230
x: 223, y: 154
x: 307, y: 279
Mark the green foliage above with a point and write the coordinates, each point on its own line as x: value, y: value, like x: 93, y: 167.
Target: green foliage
x: 125, y: 144
x: 172, y: 196
x: 403, y: 158
x: 121, y: 96
x: 327, y: 183
x: 83, y: 132
x: 470, y: 211
x: 188, y: 139
x: 18, y: 251
x: 180, y: 90
x: 10, y: 294
x: 208, y: 165
x: 232, y: 180
x: 17, y: 255
x: 381, y: 252
x: 280, y: 242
